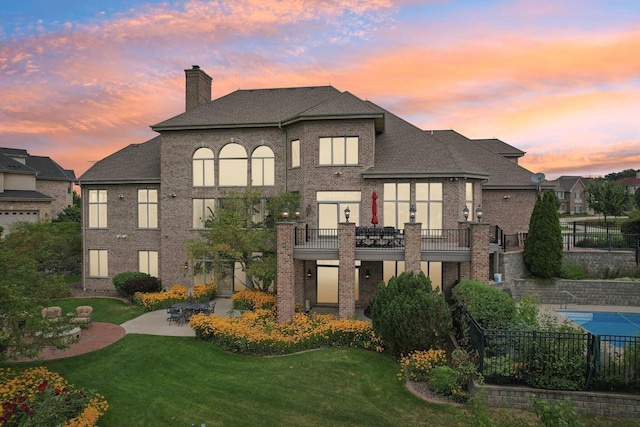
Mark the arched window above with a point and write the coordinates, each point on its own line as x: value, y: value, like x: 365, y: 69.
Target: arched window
x: 262, y: 167
x: 233, y: 166
x: 203, y: 175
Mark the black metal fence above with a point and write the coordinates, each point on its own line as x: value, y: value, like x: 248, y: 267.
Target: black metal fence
x: 557, y: 360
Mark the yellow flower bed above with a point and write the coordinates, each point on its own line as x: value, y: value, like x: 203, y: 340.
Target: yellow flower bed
x: 258, y: 333
x: 250, y: 299
x: 177, y: 293
x: 22, y: 394
x: 419, y: 363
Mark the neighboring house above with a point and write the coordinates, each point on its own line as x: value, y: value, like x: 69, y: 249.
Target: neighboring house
x: 632, y: 182
x: 144, y: 202
x: 32, y: 188
x: 570, y: 191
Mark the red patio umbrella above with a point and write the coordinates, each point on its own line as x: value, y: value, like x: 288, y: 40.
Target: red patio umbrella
x: 374, y: 208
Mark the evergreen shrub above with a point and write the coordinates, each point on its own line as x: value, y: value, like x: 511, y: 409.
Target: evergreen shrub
x: 408, y: 314
x: 491, y: 307
x: 120, y: 279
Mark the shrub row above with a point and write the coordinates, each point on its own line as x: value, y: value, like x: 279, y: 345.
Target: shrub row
x: 258, y: 333
x: 177, y: 293
x: 491, y: 307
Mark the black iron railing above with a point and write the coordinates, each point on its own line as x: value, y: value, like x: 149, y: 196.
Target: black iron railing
x: 446, y: 240
x: 557, y: 360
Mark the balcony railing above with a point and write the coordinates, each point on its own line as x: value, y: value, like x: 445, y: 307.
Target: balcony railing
x: 372, y: 238
x: 446, y: 240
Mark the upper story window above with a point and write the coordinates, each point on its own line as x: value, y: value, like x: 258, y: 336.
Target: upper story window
x: 203, y: 168
x: 203, y: 210
x: 338, y: 150
x: 578, y: 195
x: 429, y: 204
x: 295, y: 153
x: 147, y: 208
x: 262, y: 167
x: 97, y: 208
x: 468, y: 199
x: 396, y: 204
x: 233, y: 166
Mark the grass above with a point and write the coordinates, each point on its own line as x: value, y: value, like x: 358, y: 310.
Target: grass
x: 179, y: 381
x: 108, y: 310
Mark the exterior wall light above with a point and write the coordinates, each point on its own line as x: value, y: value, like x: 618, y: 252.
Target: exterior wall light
x: 121, y: 196
x: 186, y: 265
x: 367, y: 275
x: 285, y: 213
x: 412, y: 214
x: 347, y: 213
x: 465, y: 213
x: 479, y: 213
x: 297, y: 212
x: 309, y: 273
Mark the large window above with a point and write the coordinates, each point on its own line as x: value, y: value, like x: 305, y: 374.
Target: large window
x: 396, y: 204
x: 233, y: 166
x: 468, y: 191
x: 147, y: 208
x: 97, y: 208
x: 327, y: 281
x: 98, y: 263
x: 262, y: 167
x: 202, y: 211
x: 295, y: 153
x: 338, y: 150
x: 148, y: 262
x: 203, y: 168
x: 331, y: 206
x: 429, y: 205
x: 433, y: 270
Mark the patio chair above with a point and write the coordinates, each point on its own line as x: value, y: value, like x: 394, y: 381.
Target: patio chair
x: 52, y: 314
x: 209, y: 310
x: 83, y: 316
x: 175, y: 315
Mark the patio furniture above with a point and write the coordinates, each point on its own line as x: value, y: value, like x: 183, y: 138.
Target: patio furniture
x: 83, y: 316
x: 52, y: 314
x: 175, y: 315
x: 210, y: 308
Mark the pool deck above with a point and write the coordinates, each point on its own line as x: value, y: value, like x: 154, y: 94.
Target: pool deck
x: 555, y: 309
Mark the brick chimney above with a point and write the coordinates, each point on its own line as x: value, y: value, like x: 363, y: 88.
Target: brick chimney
x: 198, y: 88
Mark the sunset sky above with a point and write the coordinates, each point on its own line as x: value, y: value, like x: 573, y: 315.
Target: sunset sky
x: 560, y: 80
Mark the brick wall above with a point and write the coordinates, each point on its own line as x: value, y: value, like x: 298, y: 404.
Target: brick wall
x: 57, y: 189
x: 509, y: 209
x: 605, y: 404
x: 346, y: 267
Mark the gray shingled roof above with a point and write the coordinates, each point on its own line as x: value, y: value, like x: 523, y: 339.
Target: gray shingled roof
x: 23, y: 195
x: 566, y: 182
x: 499, y: 147
x: 268, y: 107
x: 502, y: 173
x: 7, y: 164
x: 134, y: 163
x: 13, y: 151
x: 48, y: 169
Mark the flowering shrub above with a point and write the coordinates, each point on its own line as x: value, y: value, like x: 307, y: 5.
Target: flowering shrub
x: 258, y: 332
x: 250, y: 299
x: 38, y: 397
x: 177, y: 293
x: 417, y: 364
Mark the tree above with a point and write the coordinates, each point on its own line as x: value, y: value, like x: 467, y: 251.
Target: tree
x: 24, y: 290
x: 233, y: 237
x: 72, y: 213
x: 636, y: 198
x: 607, y: 198
x: 408, y: 314
x: 543, y: 245
x: 627, y: 173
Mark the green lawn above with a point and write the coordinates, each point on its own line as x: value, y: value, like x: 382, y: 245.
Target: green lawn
x: 109, y: 310
x: 179, y: 381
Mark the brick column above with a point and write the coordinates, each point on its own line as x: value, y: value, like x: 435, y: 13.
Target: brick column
x: 285, y: 279
x: 480, y: 251
x: 346, y: 269
x: 412, y: 246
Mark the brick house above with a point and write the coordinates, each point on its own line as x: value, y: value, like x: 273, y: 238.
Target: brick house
x: 32, y: 188
x: 144, y: 202
x: 570, y: 191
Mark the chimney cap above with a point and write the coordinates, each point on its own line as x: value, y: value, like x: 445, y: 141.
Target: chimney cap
x: 195, y: 67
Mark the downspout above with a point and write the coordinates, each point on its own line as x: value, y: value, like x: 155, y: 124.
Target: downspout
x: 84, y: 239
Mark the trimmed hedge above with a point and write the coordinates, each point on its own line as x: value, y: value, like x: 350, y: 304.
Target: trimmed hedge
x: 491, y: 307
x: 120, y: 280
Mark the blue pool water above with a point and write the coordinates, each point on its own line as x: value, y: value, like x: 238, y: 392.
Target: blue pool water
x: 603, y: 323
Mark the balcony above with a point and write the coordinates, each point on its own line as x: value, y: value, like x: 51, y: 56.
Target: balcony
x: 383, y: 244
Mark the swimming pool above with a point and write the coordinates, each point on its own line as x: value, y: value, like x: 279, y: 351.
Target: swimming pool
x: 606, y: 323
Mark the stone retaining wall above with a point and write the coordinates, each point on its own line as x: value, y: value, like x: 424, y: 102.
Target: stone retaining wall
x: 606, y: 404
x: 587, y: 292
